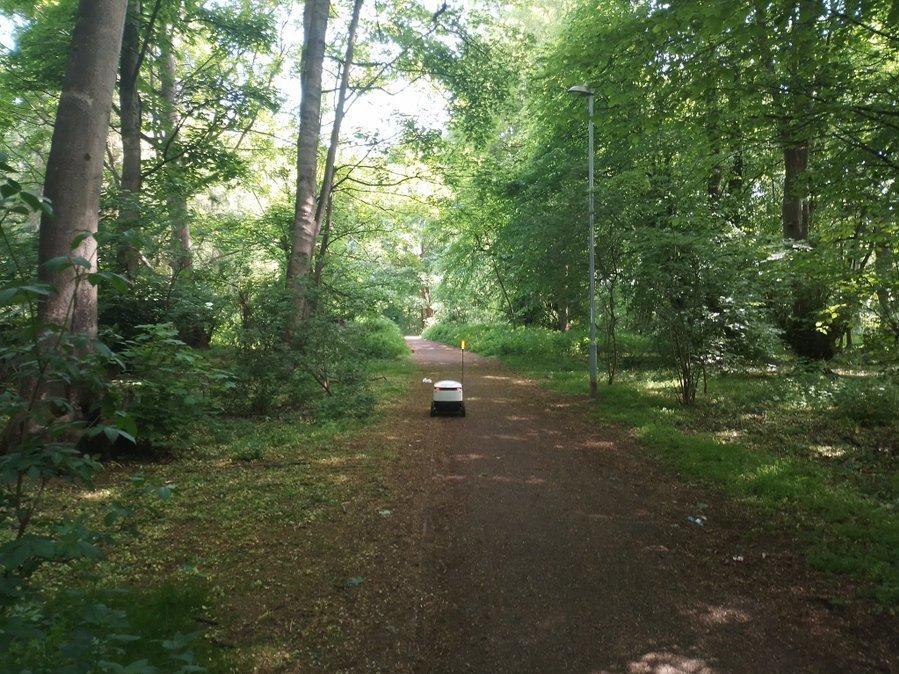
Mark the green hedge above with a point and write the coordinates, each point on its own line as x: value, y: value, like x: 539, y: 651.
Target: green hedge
x: 533, y: 343
x: 381, y: 338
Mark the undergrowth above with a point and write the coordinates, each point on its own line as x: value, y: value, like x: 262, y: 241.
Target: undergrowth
x: 235, y: 487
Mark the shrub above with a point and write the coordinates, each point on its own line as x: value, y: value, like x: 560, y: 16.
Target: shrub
x: 115, y: 630
x: 167, y: 385
x: 508, y: 340
x: 380, y: 338
x: 322, y: 373
x: 193, y: 305
x: 869, y: 402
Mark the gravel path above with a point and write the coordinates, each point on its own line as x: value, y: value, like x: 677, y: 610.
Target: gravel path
x: 536, y: 542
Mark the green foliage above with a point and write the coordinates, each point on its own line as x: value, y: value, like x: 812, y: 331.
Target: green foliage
x: 507, y: 340
x: 869, y: 402
x: 191, y: 304
x: 380, y: 338
x: 324, y: 372
x: 167, y: 387
x: 690, y: 181
x: 54, y: 403
x: 138, y: 631
x: 690, y: 293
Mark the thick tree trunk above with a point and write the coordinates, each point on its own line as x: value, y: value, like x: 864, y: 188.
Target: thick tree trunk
x: 563, y: 323
x: 796, y: 212
x: 176, y: 196
x: 130, y: 121
x: 798, y: 129
x: 803, y: 333
x: 75, y: 166
x: 315, y: 22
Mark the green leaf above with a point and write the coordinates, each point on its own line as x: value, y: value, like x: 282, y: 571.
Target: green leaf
x: 80, y: 238
x: 33, y: 201
x: 22, y: 294
x: 58, y: 264
x: 116, y: 281
x: 9, y: 188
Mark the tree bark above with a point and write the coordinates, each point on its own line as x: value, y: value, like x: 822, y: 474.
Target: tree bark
x: 324, y: 208
x: 427, y: 309
x: 796, y: 211
x: 74, y: 173
x: 176, y: 196
x: 798, y: 128
x: 884, y: 267
x: 323, y: 245
x: 315, y: 23
x: 130, y: 121
x: 339, y: 112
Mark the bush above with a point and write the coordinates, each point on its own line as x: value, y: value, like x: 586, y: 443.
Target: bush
x: 508, y: 340
x: 194, y: 305
x: 323, y: 373
x: 869, y: 402
x: 167, y: 385
x: 380, y: 338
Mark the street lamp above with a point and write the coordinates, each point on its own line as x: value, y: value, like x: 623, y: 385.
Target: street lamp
x: 584, y: 91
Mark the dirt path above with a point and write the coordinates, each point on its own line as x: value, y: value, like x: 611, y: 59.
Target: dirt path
x: 529, y: 541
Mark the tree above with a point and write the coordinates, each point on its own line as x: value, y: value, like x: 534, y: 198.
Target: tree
x: 75, y: 166
x: 176, y: 197
x: 324, y: 209
x: 305, y: 230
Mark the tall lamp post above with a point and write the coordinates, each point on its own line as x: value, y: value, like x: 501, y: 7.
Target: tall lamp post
x: 584, y: 91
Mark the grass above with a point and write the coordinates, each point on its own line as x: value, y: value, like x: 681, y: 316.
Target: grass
x: 810, y: 449
x: 258, y: 516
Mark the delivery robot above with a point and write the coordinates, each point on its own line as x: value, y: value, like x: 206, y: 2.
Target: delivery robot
x: 448, y: 398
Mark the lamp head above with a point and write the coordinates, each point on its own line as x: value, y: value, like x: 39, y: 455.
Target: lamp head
x: 580, y: 90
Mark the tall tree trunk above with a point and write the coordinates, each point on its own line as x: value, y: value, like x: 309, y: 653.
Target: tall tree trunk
x: 130, y: 122
x: 562, y: 323
x: 324, y: 208
x: 796, y: 211
x: 75, y: 166
x: 323, y: 245
x: 887, y: 298
x: 427, y: 308
x: 798, y: 128
x: 315, y: 24
x: 735, y: 189
x: 339, y: 112
x: 802, y: 330
x: 176, y: 196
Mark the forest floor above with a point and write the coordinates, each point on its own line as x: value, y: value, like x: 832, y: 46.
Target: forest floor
x: 525, y: 538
